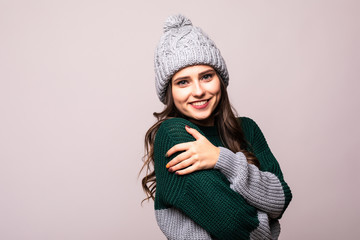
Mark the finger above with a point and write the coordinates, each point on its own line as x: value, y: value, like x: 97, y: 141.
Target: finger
x: 187, y: 170
x: 184, y: 164
x: 177, y: 148
x: 193, y: 132
x: 179, y: 158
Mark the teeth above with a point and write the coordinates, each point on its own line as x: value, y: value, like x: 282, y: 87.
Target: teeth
x: 199, y: 103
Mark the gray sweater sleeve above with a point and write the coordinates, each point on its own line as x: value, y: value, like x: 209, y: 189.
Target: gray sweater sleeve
x: 262, y: 190
x: 177, y: 226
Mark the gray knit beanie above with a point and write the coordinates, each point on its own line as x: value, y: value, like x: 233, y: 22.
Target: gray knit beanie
x: 184, y: 45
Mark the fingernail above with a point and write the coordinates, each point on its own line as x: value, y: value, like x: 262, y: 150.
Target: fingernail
x: 176, y: 173
x: 166, y: 155
x: 187, y: 126
x: 170, y: 170
x: 167, y: 165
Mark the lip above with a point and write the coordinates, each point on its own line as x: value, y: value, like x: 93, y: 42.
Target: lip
x: 206, y: 103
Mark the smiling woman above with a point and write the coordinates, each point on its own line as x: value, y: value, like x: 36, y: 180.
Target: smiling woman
x: 214, y: 174
x: 196, y: 93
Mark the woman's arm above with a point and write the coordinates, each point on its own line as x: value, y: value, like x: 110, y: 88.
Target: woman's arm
x: 263, y: 190
x: 266, y: 190
x: 268, y: 163
x: 204, y: 196
x: 177, y: 226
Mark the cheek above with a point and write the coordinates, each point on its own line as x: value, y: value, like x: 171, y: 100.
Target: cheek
x: 179, y: 95
x: 216, y: 89
x: 217, y: 92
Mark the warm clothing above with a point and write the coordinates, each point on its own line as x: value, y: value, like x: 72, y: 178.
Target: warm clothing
x: 235, y: 200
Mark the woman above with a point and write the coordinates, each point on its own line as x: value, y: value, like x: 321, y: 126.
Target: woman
x: 215, y: 176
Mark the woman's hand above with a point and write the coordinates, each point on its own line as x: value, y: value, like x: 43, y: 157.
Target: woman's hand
x: 200, y: 154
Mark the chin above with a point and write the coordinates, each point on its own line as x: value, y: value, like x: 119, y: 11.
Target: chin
x: 202, y: 117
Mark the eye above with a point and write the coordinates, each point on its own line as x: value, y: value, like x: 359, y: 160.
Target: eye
x: 207, y: 76
x: 181, y: 83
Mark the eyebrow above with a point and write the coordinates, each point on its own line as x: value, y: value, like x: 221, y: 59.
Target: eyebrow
x: 200, y: 74
x: 207, y: 72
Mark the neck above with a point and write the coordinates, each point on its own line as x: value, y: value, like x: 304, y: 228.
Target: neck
x: 206, y: 122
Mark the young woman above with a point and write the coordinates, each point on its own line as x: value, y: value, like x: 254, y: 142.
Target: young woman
x: 214, y: 174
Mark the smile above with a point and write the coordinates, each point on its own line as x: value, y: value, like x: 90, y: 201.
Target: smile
x: 200, y: 104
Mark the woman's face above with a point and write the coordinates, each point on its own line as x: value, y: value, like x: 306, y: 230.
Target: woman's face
x: 196, y: 93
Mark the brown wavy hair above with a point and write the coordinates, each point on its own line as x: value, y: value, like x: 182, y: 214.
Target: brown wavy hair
x: 228, y: 126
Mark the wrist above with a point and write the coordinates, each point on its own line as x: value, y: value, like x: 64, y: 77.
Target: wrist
x: 216, y: 156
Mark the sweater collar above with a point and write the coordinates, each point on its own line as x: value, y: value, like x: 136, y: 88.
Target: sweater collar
x: 209, y: 130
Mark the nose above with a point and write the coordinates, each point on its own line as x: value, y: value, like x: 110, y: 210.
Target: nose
x: 198, y: 90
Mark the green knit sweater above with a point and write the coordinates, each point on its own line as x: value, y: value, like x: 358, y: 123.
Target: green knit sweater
x: 235, y: 200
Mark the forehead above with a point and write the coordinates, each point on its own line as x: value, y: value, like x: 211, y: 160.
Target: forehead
x: 192, y: 70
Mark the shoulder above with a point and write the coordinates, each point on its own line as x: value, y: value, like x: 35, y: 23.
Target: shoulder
x: 173, y: 129
x: 175, y: 125
x: 246, y: 120
x: 251, y: 130
x: 253, y: 134
x: 247, y: 124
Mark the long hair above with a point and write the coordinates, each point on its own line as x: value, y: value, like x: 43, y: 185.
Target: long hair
x: 229, y: 128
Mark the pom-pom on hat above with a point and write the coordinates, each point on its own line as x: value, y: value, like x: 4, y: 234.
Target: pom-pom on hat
x: 184, y: 45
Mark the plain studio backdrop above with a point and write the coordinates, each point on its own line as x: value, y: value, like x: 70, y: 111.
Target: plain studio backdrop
x: 77, y: 95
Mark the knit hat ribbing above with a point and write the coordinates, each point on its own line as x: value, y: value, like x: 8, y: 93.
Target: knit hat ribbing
x: 184, y: 45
